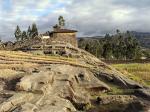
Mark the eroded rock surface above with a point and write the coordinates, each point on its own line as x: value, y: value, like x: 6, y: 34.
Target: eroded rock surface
x: 55, y: 85
x: 59, y: 88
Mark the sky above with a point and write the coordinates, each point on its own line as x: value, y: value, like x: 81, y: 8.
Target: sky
x: 89, y: 17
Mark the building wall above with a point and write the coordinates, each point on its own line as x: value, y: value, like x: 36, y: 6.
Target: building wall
x: 65, y: 37
x: 45, y: 37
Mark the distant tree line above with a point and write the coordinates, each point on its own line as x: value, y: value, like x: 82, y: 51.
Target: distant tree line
x: 119, y: 46
x: 30, y: 33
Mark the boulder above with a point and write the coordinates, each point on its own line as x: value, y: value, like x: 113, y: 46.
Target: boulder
x: 37, y: 82
x: 61, y: 87
x: 15, y: 101
x: 119, y: 79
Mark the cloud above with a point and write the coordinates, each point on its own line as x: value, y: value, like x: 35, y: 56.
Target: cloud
x: 89, y: 17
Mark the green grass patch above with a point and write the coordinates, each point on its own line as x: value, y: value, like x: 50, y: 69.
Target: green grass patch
x: 139, y: 72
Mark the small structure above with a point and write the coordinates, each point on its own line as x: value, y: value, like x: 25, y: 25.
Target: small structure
x: 60, y: 34
x: 63, y: 35
x: 46, y: 35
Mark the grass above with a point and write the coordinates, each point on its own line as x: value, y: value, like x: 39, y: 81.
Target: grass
x: 139, y: 72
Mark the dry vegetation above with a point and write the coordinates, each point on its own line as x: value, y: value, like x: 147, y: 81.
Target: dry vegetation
x: 15, y: 57
x: 14, y: 62
x: 136, y: 71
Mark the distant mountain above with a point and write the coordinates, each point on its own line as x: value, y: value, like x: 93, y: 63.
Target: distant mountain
x: 89, y: 38
x: 143, y: 38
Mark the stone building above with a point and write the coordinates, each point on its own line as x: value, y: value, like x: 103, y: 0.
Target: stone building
x: 61, y: 35
x: 64, y: 36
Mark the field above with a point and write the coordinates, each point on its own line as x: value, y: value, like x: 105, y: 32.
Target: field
x: 137, y: 71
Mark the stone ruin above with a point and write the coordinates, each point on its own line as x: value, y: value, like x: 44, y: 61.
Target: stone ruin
x: 60, y: 41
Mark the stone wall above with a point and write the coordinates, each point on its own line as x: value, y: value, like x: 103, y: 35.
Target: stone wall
x: 65, y: 37
x: 19, y: 45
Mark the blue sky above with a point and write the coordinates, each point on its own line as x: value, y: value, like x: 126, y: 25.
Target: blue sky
x: 89, y: 17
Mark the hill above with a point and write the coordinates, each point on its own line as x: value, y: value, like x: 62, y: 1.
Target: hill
x: 30, y: 82
x: 143, y: 38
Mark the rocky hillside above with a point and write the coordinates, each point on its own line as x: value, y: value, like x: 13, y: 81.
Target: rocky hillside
x: 39, y: 83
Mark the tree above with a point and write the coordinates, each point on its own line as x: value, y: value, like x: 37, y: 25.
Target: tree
x: 117, y: 31
x: 24, y: 35
x: 107, y: 36
x: 29, y: 31
x: 133, y: 47
x: 120, y: 46
x: 61, y: 21
x: 107, y: 53
x: 18, y: 34
x: 34, y: 31
x: 87, y: 47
